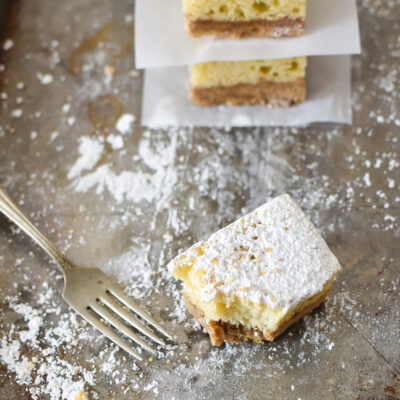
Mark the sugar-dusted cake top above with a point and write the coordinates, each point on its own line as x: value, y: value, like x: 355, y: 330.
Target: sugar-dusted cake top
x: 273, y: 255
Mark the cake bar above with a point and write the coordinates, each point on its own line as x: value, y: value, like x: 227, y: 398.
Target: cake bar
x: 244, y: 18
x: 256, y: 277
x: 273, y: 83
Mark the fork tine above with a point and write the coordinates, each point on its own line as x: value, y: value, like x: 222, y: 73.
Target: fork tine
x: 111, y: 319
x: 121, y: 296
x: 105, y: 330
x: 128, y: 317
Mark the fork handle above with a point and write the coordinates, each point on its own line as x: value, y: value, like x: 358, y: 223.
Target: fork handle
x: 15, y: 214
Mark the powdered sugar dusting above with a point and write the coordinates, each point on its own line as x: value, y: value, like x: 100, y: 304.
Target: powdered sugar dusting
x: 125, y: 185
x: 90, y: 151
x: 124, y: 123
x: 45, y: 79
x: 44, y: 373
x: 273, y: 255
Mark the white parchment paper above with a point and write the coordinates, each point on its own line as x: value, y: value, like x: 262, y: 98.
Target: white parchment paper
x: 165, y: 100
x: 161, y: 39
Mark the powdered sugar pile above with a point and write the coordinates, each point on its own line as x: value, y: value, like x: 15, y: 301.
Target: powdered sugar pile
x: 125, y: 185
x: 43, y: 371
x: 90, y: 152
x: 124, y: 123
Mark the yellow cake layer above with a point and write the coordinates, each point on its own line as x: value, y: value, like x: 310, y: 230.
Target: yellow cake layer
x: 239, y: 310
x: 244, y: 10
x: 230, y: 73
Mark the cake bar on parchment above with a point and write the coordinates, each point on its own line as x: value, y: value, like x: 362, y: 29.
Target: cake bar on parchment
x: 244, y: 18
x: 273, y: 83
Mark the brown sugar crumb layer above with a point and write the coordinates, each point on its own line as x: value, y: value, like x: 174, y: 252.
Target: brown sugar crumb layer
x: 240, y: 29
x: 264, y: 93
x: 220, y: 331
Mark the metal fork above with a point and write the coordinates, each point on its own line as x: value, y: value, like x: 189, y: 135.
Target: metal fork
x: 90, y: 292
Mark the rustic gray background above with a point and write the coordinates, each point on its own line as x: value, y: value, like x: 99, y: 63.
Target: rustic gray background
x: 345, y: 177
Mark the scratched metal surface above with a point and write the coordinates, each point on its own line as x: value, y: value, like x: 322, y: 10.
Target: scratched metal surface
x: 348, y: 349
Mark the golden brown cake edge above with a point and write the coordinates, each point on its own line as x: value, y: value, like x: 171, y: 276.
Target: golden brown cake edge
x: 220, y: 331
x: 240, y: 29
x: 264, y: 93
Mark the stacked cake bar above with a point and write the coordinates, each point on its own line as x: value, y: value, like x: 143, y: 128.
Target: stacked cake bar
x: 244, y: 18
x: 273, y: 83
x: 224, y: 62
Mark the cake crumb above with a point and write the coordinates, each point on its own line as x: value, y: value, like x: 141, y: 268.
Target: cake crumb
x: 81, y: 395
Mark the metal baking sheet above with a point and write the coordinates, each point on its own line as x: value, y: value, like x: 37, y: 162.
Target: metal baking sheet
x: 67, y: 79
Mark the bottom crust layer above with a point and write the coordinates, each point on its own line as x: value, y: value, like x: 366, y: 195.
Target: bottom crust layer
x: 220, y: 330
x: 240, y: 29
x: 264, y: 93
